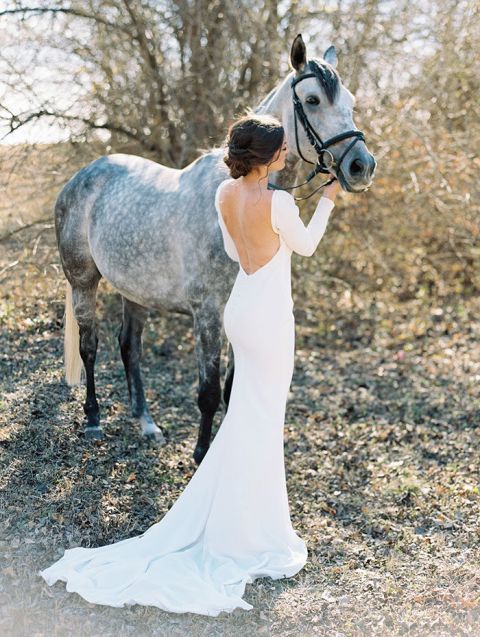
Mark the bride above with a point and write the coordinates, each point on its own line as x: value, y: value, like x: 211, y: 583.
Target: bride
x: 231, y: 524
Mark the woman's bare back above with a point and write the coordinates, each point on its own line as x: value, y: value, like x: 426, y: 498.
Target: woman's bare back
x: 247, y: 216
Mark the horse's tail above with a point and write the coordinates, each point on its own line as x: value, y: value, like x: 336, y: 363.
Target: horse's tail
x: 71, y: 343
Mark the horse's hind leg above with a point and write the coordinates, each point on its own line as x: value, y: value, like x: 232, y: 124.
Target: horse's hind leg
x: 208, y: 345
x: 130, y: 340
x: 228, y: 380
x: 84, y: 309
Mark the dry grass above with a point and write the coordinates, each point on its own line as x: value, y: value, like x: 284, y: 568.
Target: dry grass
x: 41, y: 169
x: 381, y: 446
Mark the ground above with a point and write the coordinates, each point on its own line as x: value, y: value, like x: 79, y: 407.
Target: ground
x: 381, y: 450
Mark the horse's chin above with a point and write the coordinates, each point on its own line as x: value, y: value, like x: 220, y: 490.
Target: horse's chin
x: 353, y: 188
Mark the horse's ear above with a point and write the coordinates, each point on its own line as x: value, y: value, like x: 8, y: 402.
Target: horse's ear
x: 298, y: 53
x: 330, y: 56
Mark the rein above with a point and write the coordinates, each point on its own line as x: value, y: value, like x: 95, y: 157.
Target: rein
x: 325, y: 160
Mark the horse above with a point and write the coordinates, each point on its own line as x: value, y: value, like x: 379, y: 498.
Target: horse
x: 152, y: 232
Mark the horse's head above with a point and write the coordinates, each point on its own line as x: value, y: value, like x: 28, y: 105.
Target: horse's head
x: 316, y: 111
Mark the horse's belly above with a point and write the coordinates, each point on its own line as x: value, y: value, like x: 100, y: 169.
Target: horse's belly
x: 140, y: 283
x: 134, y: 260
x: 157, y: 294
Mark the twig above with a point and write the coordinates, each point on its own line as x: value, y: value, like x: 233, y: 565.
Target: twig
x: 26, y: 225
x: 7, y: 267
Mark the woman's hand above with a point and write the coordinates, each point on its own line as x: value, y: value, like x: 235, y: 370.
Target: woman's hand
x: 331, y: 190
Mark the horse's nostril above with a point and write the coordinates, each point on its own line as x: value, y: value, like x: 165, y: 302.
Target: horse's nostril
x: 356, y: 167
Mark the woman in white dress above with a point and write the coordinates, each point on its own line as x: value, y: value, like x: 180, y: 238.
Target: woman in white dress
x: 231, y: 524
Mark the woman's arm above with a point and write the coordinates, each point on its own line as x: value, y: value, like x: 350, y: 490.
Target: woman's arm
x: 287, y: 222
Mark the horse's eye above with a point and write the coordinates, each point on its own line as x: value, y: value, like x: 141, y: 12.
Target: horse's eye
x: 312, y: 99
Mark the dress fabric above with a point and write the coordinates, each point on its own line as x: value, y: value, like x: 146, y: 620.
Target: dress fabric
x: 231, y: 524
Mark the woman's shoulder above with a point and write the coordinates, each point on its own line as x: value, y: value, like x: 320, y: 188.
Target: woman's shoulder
x: 222, y: 188
x: 283, y: 193
x: 284, y: 197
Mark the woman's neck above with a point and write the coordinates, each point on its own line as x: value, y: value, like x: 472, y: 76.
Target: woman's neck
x: 256, y: 178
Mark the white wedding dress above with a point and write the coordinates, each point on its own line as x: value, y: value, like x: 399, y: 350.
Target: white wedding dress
x: 231, y: 524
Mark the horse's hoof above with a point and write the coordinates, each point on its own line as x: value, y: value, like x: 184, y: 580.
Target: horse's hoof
x: 150, y: 431
x: 157, y: 438
x: 93, y: 433
x: 199, y: 454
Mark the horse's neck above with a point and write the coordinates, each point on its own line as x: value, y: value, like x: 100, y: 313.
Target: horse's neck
x: 272, y: 105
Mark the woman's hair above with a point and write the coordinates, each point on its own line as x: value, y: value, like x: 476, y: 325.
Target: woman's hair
x: 252, y: 140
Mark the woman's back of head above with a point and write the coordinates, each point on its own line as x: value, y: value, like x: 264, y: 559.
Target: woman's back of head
x: 252, y: 140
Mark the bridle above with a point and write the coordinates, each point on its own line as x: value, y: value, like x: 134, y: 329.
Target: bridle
x: 325, y: 160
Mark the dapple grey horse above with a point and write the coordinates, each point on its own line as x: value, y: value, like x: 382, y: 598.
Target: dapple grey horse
x: 153, y: 233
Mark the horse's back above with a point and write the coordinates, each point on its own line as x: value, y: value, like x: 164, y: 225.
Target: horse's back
x: 91, y: 179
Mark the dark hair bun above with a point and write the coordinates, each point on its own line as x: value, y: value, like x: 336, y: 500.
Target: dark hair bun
x: 239, y: 160
x: 252, y: 141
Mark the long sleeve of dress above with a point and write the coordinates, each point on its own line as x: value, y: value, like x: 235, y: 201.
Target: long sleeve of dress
x: 286, y: 221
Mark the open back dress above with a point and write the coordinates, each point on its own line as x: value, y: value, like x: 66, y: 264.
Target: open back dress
x: 231, y: 523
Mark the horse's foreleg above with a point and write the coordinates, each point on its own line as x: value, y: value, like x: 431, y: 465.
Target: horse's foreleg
x: 227, y: 384
x: 208, y: 344
x: 84, y: 310
x: 130, y: 340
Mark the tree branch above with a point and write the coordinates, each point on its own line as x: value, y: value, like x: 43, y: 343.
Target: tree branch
x: 74, y: 12
x: 16, y: 123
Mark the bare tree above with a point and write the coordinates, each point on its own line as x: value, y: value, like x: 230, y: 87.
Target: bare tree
x: 164, y: 78
x: 161, y: 77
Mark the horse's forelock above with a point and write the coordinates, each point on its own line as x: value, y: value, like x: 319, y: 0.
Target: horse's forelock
x: 328, y: 78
